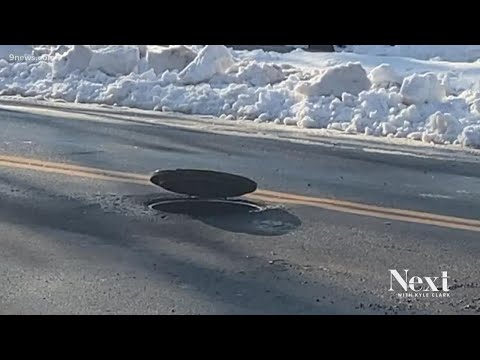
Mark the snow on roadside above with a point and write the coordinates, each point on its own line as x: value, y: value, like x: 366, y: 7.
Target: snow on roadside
x: 461, y: 53
x: 431, y: 101
x: 175, y: 57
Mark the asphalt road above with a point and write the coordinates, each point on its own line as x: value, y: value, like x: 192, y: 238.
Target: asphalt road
x: 73, y: 243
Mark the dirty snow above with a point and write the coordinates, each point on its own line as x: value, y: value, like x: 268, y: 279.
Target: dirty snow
x: 383, y: 95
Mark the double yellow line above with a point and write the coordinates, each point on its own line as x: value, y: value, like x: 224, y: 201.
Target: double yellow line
x: 259, y: 195
x: 71, y: 170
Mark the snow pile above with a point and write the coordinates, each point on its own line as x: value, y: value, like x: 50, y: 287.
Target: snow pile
x: 417, y: 89
x: 350, y: 78
x: 365, y: 96
x: 260, y: 74
x: 76, y: 58
x: 442, y: 127
x: 213, y: 59
x: 115, y: 60
x: 177, y: 57
x: 470, y: 136
x: 424, y: 52
x: 384, y: 75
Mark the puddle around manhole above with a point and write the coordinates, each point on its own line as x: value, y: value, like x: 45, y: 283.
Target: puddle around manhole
x: 199, y: 207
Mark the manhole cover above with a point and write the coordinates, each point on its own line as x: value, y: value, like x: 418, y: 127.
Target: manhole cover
x: 199, y: 207
x: 203, y: 183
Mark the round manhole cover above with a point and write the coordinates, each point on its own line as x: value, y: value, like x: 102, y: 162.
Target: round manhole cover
x: 199, y: 207
x: 203, y: 183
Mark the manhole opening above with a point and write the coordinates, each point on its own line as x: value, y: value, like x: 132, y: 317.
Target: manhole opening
x: 205, y: 207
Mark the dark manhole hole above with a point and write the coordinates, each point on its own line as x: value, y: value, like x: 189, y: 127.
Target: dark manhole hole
x: 238, y: 216
x: 207, y: 207
x: 203, y: 183
x: 210, y: 200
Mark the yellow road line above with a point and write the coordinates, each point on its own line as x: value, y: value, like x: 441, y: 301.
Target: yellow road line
x: 261, y: 195
x: 54, y: 165
x: 373, y: 208
x: 72, y: 172
x: 456, y: 224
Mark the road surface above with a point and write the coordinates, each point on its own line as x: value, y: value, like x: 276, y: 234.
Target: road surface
x: 77, y: 236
